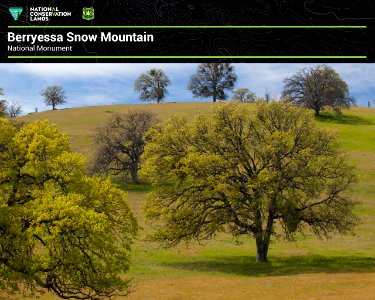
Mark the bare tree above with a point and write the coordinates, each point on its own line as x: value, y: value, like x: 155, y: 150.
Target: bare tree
x: 152, y: 85
x: 14, y: 110
x: 318, y: 88
x: 120, y: 143
x: 212, y: 80
x: 243, y: 95
x: 54, y: 95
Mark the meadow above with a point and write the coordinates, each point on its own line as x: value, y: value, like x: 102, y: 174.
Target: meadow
x: 342, y: 267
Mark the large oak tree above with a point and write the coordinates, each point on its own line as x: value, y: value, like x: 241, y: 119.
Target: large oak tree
x: 272, y: 171
x: 60, y: 230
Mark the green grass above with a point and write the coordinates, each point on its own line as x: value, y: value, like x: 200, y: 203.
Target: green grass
x: 80, y: 123
x: 342, y: 267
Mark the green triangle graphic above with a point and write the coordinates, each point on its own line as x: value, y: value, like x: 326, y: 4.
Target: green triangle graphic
x: 16, y: 12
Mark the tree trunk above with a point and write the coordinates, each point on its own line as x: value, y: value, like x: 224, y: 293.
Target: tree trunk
x: 53, y: 106
x: 214, y: 95
x: 263, y: 238
x: 317, y: 112
x: 134, y: 172
x: 262, y: 250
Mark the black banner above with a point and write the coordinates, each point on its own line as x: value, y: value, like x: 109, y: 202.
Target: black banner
x: 187, y: 31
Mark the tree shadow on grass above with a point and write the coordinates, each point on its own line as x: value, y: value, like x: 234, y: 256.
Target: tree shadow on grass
x: 246, y: 266
x: 329, y: 117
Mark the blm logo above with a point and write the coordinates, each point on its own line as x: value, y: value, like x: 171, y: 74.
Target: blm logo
x: 15, y: 12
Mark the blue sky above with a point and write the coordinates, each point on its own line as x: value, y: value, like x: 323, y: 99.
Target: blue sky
x: 107, y: 84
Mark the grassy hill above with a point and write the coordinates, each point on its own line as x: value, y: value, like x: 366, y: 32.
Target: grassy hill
x: 79, y: 123
x: 340, y: 268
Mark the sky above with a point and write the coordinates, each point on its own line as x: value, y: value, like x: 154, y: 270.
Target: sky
x: 108, y: 84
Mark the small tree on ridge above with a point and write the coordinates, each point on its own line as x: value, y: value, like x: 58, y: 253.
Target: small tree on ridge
x: 318, y: 88
x: 152, y: 85
x: 212, y: 80
x: 243, y: 95
x: 54, y: 95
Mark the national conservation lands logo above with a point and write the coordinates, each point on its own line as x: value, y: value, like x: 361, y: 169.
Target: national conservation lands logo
x: 88, y: 13
x: 45, y: 13
x: 38, y: 13
x: 15, y: 12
